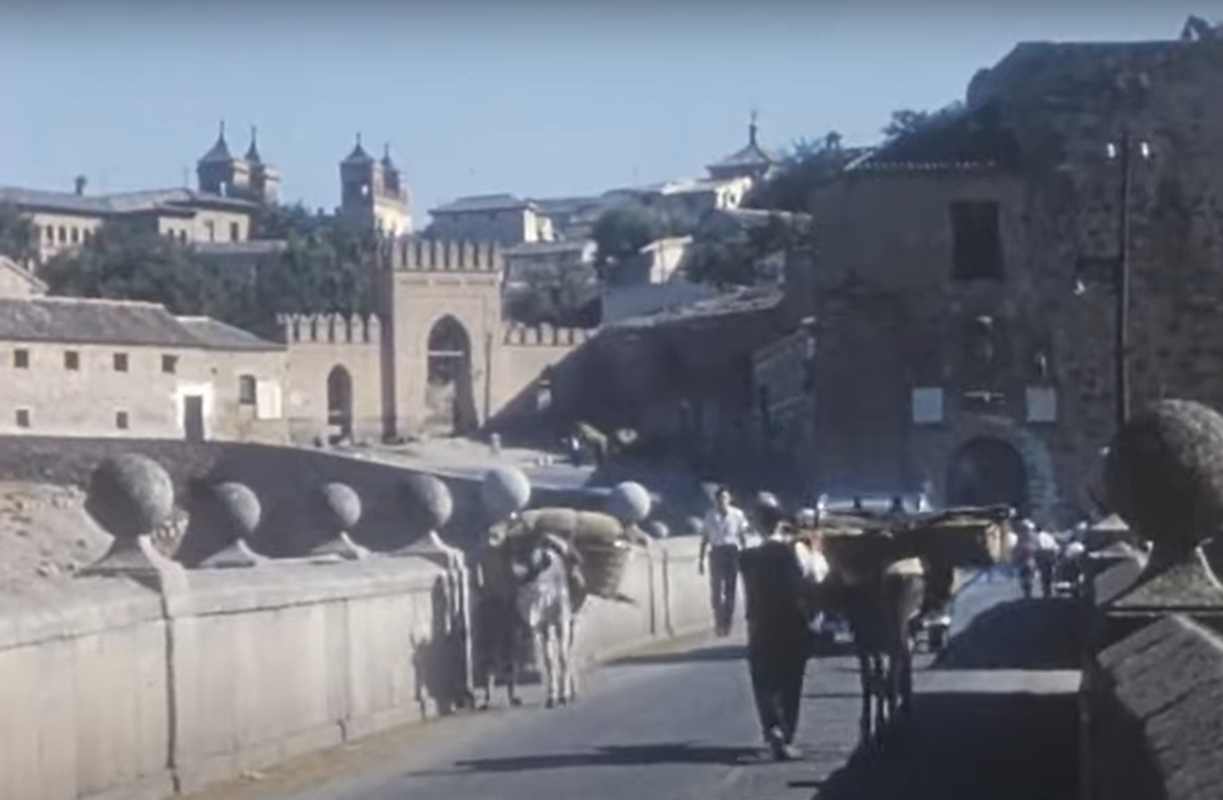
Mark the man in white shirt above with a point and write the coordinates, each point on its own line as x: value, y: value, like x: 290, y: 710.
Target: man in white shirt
x: 1046, y: 555
x: 723, y: 534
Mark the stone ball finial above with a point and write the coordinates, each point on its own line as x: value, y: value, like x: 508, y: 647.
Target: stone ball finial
x: 629, y: 502
x: 694, y: 526
x: 340, y: 505
x: 238, y: 508
x: 1164, y: 473
x: 506, y: 490
x: 426, y: 501
x: 658, y: 529
x: 130, y: 495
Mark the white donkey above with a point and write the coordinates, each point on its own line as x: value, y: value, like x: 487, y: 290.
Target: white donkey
x: 548, y: 598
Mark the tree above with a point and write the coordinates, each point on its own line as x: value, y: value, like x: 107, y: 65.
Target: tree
x: 735, y: 259
x: 18, y: 235
x: 906, y: 121
x: 128, y: 261
x: 807, y: 164
x: 621, y: 232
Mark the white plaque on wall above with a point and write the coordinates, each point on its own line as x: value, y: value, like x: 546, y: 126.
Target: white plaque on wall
x: 1042, y: 404
x: 927, y: 405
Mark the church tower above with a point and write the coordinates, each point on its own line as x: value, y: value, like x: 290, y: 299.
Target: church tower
x: 373, y: 194
x: 265, y: 179
x: 249, y: 178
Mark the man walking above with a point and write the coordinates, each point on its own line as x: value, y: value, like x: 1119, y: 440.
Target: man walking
x: 779, y: 583
x: 723, y: 535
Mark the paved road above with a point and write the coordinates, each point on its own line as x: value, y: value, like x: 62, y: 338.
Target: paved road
x: 681, y: 725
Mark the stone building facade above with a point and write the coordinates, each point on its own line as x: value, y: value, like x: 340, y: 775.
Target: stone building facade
x: 77, y: 367
x: 437, y: 358
x: 963, y: 286
x: 501, y: 218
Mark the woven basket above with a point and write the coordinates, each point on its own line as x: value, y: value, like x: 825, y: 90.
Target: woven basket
x: 600, y: 540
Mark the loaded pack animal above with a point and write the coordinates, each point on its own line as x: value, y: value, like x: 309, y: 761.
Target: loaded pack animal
x: 531, y: 583
x: 885, y: 577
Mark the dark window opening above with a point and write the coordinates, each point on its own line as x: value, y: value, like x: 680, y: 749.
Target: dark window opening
x: 21, y: 359
x: 23, y: 418
x: 234, y: 232
x: 76, y: 235
x: 169, y: 364
x: 120, y: 362
x: 246, y: 390
x: 121, y: 420
x: 50, y: 233
x: 976, y: 243
x: 63, y: 234
x: 72, y: 360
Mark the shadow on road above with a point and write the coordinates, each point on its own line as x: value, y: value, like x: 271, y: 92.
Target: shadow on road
x: 997, y: 746
x: 725, y: 652
x: 1020, y: 634
x: 619, y: 755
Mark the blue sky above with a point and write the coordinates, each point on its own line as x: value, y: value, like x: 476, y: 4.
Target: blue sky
x: 542, y: 98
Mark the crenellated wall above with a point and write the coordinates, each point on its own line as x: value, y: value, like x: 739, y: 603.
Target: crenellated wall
x: 319, y: 344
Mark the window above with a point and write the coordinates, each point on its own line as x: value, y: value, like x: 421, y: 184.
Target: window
x: 87, y: 235
x: 246, y: 390
x: 976, y: 245
x: 72, y: 360
x: 23, y: 418
x: 211, y: 229
x: 169, y: 364
x: 120, y: 362
x: 235, y: 234
x: 182, y: 236
x: 121, y: 420
x: 365, y: 190
x: 50, y: 233
x: 76, y: 235
x: 21, y: 359
x: 63, y: 234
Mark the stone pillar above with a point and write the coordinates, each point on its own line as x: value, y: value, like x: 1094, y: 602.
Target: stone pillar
x: 130, y: 496
x: 339, y: 509
x: 232, y: 513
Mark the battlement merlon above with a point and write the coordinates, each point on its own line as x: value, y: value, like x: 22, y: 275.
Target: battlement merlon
x: 334, y: 328
x: 420, y: 254
x: 518, y: 335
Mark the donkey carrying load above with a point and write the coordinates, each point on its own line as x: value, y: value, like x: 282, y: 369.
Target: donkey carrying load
x: 537, y: 569
x: 886, y: 572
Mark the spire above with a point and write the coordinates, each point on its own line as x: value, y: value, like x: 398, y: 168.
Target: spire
x: 386, y: 156
x: 219, y: 150
x: 252, y: 152
x: 358, y: 154
x: 751, y: 130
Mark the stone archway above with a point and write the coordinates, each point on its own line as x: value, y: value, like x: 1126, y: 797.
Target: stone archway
x: 987, y: 471
x: 339, y: 404
x: 1040, y: 476
x: 450, y: 407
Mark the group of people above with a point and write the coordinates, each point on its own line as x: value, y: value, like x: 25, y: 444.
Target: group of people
x: 782, y: 565
x: 1037, y: 552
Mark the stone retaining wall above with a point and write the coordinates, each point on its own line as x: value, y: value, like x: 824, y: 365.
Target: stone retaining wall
x: 120, y: 691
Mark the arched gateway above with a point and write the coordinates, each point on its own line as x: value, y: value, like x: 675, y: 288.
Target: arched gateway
x: 449, y: 401
x: 987, y: 471
x: 339, y: 404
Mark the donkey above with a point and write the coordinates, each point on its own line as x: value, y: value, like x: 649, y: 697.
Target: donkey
x: 548, y: 597
x: 881, y: 594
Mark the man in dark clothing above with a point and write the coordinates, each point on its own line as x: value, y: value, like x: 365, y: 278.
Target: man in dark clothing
x: 778, y: 613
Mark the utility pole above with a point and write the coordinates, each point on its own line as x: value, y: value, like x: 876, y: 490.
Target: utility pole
x: 1122, y: 283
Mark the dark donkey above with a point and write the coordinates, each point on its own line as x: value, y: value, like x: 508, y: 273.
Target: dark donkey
x: 880, y: 588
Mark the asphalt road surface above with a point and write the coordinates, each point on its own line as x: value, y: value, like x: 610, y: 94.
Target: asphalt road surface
x: 994, y: 719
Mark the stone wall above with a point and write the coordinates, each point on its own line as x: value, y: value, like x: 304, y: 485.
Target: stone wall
x: 117, y: 692
x: 893, y: 318
x: 320, y: 344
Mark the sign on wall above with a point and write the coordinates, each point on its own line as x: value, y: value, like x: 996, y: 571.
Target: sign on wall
x: 927, y: 405
x: 1042, y: 404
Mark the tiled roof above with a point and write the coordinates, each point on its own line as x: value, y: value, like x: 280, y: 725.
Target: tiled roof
x: 216, y: 335
x: 118, y: 322
x: 118, y: 203
x: 742, y: 301
x: 482, y: 202
x: 566, y: 205
x: 966, y: 140
x: 751, y: 155
x: 219, y: 152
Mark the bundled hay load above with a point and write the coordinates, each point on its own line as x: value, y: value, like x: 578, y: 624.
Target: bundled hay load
x: 599, y: 538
